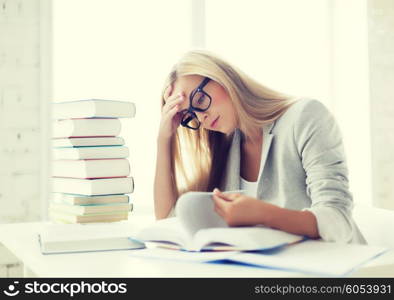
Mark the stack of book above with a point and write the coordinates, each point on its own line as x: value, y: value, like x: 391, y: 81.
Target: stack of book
x: 90, y: 170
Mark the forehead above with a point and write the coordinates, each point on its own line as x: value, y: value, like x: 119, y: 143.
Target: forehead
x: 187, y: 84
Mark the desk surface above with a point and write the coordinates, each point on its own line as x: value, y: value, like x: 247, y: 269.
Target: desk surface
x: 21, y: 239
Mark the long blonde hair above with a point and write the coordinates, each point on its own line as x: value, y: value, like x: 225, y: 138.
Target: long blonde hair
x: 200, y: 156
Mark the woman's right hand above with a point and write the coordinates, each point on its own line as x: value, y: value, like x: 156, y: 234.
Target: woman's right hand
x: 170, y: 114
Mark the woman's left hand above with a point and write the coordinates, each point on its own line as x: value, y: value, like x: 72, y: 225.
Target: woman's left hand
x: 240, y: 210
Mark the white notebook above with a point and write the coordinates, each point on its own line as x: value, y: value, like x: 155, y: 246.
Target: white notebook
x: 311, y: 257
x: 66, y: 238
x: 315, y: 257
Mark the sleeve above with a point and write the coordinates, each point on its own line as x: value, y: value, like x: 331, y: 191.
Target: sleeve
x: 319, y: 143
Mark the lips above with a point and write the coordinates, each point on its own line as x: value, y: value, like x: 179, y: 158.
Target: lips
x: 214, y: 122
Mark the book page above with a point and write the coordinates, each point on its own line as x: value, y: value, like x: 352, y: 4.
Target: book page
x: 245, y: 238
x: 167, y: 230
x: 195, y: 211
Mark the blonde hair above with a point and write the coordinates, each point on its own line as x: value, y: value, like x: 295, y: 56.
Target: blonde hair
x: 200, y: 156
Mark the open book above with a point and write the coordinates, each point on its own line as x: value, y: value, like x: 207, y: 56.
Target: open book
x: 197, y: 227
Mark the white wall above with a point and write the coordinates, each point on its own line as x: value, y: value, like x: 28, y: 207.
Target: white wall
x: 22, y: 70
x: 24, y: 91
x: 381, y: 65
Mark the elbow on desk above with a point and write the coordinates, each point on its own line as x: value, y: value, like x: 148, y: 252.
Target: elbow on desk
x: 335, y: 225
x: 161, y: 215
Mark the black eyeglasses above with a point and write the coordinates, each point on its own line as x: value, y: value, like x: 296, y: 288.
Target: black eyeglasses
x: 199, y: 101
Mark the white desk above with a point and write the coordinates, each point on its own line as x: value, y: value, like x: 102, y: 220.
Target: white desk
x: 21, y: 240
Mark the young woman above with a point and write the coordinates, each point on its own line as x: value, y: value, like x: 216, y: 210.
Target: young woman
x: 221, y: 130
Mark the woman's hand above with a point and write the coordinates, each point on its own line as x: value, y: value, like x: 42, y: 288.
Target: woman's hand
x: 170, y: 115
x: 240, y: 210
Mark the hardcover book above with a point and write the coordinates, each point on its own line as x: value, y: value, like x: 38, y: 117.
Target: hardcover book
x: 87, y: 141
x: 87, y: 200
x: 90, y: 152
x: 91, y: 187
x: 91, y: 168
x: 93, y: 108
x: 86, y: 128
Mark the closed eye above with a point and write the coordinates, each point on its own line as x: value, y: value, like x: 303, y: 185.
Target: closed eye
x: 201, y: 99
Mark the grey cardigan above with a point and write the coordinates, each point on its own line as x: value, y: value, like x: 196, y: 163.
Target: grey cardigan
x: 303, y: 167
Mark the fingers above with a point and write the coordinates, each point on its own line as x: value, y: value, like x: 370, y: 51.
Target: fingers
x: 218, y: 205
x: 173, y: 111
x: 218, y: 193
x: 172, y: 102
x: 168, y: 91
x: 231, y: 196
x: 224, y: 196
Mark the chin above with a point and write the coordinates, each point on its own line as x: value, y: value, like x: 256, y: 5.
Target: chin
x: 226, y: 131
x: 209, y: 129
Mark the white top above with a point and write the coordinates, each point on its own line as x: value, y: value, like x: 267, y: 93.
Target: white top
x: 250, y: 187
